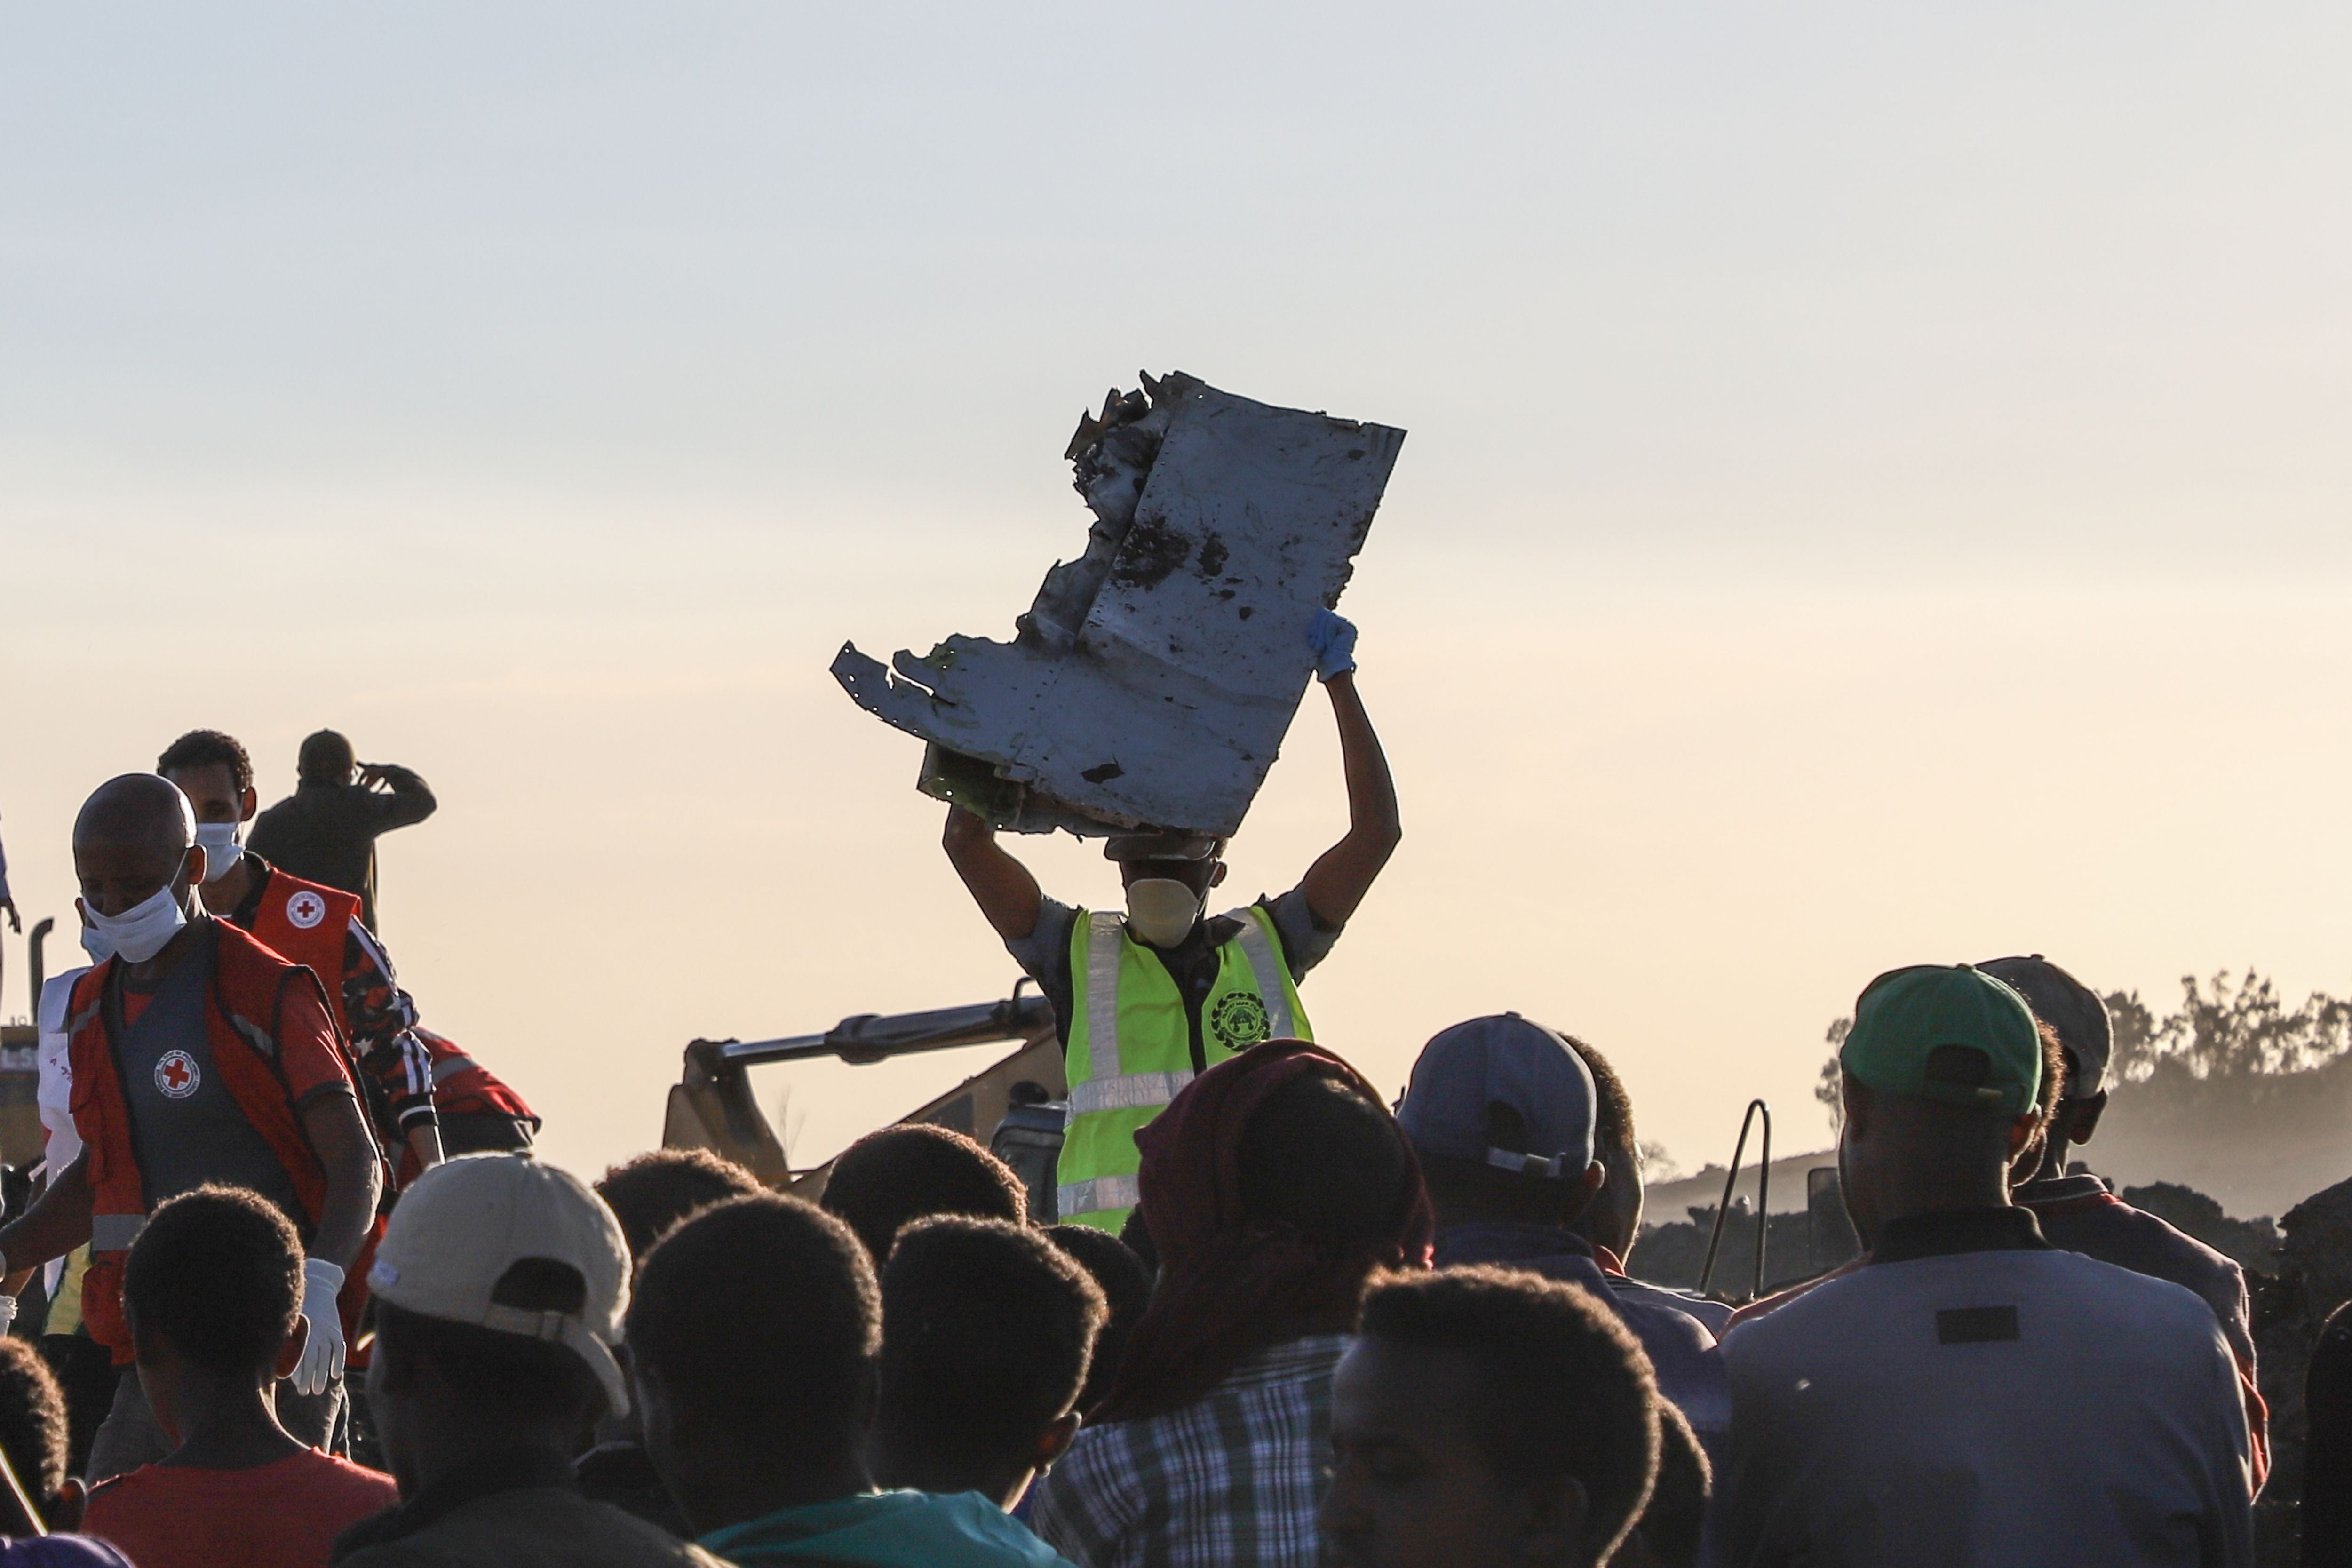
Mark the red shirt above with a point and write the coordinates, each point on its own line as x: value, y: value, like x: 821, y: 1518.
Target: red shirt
x: 286, y: 1514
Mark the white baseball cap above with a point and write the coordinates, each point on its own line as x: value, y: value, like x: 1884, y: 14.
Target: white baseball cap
x: 466, y: 1221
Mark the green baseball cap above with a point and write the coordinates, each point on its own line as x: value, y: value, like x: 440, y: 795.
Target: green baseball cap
x: 1953, y: 1035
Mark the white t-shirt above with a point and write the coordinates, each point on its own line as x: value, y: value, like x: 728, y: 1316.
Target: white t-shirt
x: 53, y: 1093
x: 2006, y: 1409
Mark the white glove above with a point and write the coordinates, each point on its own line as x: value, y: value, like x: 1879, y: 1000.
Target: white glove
x: 322, y: 1356
x: 7, y: 1311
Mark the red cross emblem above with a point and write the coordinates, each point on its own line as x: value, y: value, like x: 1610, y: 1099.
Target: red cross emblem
x: 176, y: 1076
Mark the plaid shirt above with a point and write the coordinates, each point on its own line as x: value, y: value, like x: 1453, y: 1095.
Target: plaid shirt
x: 1232, y: 1480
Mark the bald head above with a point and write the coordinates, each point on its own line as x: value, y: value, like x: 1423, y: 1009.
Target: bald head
x: 134, y: 834
x: 143, y: 809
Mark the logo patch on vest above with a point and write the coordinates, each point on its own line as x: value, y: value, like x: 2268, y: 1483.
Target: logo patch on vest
x: 1238, y: 1020
x: 177, y: 1075
x: 305, y: 910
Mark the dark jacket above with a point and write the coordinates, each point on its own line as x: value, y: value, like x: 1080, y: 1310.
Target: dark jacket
x: 327, y: 832
x: 2082, y: 1213
x: 518, y: 1511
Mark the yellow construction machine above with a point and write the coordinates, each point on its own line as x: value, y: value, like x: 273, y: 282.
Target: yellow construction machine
x: 1015, y: 1106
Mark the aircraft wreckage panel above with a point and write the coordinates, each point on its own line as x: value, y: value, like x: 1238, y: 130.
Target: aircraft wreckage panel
x: 1152, y: 681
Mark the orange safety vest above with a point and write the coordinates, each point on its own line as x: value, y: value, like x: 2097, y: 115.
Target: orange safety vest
x: 309, y: 923
x: 249, y: 992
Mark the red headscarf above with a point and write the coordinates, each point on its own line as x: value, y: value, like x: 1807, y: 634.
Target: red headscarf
x: 1224, y: 1278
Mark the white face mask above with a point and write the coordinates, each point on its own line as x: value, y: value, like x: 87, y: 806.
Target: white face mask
x: 222, y: 851
x: 141, y: 934
x: 1160, y: 910
x: 96, y: 945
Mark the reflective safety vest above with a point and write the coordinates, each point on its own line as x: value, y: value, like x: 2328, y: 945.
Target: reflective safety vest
x: 241, y: 1022
x: 1131, y: 1047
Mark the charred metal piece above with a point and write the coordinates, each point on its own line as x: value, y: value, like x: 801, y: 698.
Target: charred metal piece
x: 1151, y: 683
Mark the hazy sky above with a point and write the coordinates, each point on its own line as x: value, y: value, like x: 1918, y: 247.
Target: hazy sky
x: 1876, y: 489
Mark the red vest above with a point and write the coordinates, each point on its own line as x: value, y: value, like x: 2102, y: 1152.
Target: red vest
x: 241, y: 1024
x: 308, y: 923
x: 462, y: 1084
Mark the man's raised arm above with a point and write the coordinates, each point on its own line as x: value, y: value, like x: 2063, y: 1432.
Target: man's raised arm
x: 404, y: 800
x: 1344, y: 873
x: 1003, y: 888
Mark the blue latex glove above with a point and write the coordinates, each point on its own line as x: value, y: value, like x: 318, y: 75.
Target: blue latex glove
x: 1333, y: 638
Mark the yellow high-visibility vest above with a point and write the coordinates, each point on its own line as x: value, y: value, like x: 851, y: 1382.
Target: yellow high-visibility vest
x: 1130, y: 1046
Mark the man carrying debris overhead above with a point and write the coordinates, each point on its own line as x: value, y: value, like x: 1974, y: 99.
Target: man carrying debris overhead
x: 1146, y: 1001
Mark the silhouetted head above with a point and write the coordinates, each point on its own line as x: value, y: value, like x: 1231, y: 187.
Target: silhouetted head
x: 1326, y: 1159
x: 1501, y: 1113
x: 325, y: 758
x: 1667, y: 1534
x: 655, y: 1191
x: 218, y: 1273
x: 33, y: 1431
x: 1943, y: 1071
x: 1124, y: 1281
x: 1614, y: 1218
x: 888, y: 1179
x: 987, y: 1332
x: 1488, y: 1418
x: 213, y: 1289
x: 2085, y: 1037
x: 753, y: 1336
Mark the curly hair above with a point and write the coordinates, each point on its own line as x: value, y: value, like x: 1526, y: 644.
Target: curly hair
x: 207, y: 749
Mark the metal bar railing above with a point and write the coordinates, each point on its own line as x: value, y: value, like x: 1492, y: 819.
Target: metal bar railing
x: 1763, y: 1199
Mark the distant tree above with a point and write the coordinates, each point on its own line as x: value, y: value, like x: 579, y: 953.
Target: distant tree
x: 1658, y: 1165
x: 2228, y: 1030
x: 1828, y: 1086
x: 2133, y: 1054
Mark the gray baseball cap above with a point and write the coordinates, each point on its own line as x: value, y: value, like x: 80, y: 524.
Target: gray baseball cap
x: 2067, y: 1005
x: 1502, y: 1060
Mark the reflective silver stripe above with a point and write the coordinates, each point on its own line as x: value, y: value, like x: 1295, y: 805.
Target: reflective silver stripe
x: 257, y: 1037
x: 449, y: 1067
x: 115, y: 1232
x: 1127, y: 1091
x: 1267, y: 969
x: 1106, y: 935
x: 1092, y: 1197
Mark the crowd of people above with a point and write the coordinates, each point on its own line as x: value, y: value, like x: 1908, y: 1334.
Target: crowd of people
x: 1272, y: 1320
